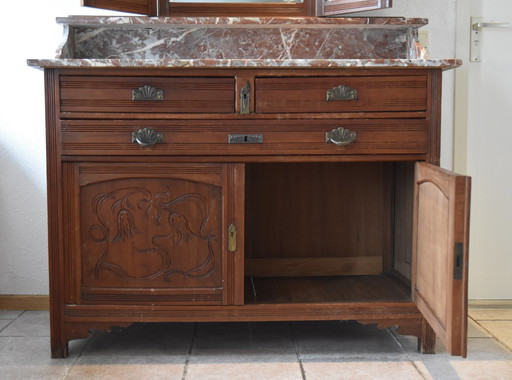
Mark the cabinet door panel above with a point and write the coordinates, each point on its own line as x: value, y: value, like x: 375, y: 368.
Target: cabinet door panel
x: 440, y: 252
x: 153, y: 234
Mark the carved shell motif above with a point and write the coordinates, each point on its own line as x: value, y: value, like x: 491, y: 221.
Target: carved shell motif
x: 147, y: 92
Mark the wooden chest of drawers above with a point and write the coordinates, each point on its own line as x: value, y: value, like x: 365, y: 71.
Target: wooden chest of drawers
x: 224, y: 194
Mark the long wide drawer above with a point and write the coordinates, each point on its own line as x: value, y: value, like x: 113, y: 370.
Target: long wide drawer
x: 341, y: 94
x: 147, y: 94
x: 244, y: 137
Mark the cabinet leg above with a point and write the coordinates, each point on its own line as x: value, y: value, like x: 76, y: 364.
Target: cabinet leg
x: 60, y: 351
x: 427, y: 340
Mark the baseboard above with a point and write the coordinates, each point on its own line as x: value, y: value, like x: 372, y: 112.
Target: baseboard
x: 24, y: 302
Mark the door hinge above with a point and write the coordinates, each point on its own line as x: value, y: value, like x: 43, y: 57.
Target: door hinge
x: 231, y: 238
x: 459, y: 264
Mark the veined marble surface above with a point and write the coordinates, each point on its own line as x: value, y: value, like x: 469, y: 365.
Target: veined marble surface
x: 234, y: 63
x: 244, y: 22
x: 239, y: 38
x: 92, y: 41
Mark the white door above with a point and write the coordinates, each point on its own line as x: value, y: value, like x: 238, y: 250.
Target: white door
x: 488, y: 159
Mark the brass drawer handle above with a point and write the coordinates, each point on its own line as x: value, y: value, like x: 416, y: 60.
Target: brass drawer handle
x: 147, y: 92
x: 147, y: 137
x: 341, y: 136
x: 341, y: 92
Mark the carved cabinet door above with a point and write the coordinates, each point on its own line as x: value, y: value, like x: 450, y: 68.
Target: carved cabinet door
x: 440, y: 253
x: 166, y: 234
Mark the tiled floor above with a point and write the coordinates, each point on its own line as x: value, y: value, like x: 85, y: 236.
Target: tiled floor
x: 298, y: 351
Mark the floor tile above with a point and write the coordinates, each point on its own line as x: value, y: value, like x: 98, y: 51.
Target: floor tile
x: 442, y: 365
x: 244, y: 351
x: 340, y: 340
x: 361, y: 370
x: 502, y: 330
x: 242, y: 342
x: 476, y: 331
x: 22, y: 358
x: 142, y: 339
x: 10, y: 314
x: 30, y: 323
x: 483, y: 370
x: 4, y: 323
x: 227, y: 370
x: 490, y: 314
x: 128, y: 367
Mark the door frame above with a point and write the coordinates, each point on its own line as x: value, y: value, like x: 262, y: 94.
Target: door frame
x: 460, y: 129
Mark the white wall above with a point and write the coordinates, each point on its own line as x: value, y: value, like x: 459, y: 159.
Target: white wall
x: 483, y: 149
x: 23, y: 244
x: 30, y: 31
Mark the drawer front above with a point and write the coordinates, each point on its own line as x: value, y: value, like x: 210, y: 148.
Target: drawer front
x: 341, y: 94
x: 147, y: 94
x: 278, y: 137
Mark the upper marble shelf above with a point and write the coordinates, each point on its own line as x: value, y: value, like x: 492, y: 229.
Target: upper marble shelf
x: 243, y: 22
x: 240, y: 42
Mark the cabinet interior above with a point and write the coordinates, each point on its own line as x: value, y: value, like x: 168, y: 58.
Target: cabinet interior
x: 328, y: 232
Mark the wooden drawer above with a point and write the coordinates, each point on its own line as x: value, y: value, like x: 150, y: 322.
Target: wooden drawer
x: 147, y: 94
x: 341, y: 94
x: 279, y: 137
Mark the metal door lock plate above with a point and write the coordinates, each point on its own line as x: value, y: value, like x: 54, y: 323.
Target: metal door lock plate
x: 245, y: 139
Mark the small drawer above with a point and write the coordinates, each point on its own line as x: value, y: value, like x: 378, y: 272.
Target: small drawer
x: 341, y: 94
x: 147, y: 94
x: 245, y: 137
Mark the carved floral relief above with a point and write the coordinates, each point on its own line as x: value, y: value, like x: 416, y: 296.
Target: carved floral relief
x: 144, y: 234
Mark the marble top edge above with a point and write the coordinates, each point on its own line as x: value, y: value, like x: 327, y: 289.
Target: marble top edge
x: 241, y: 63
x: 245, y: 22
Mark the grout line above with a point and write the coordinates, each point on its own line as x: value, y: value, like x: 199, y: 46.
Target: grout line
x: 75, y: 360
x: 12, y: 321
x: 7, y: 325
x: 408, y: 355
x: 296, y: 346
x: 492, y: 336
x: 189, y: 352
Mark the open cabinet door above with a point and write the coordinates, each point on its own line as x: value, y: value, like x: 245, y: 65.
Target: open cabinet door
x: 144, y: 7
x: 440, y: 253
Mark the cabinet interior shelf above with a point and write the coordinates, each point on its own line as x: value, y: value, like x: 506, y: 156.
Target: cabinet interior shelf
x: 331, y: 289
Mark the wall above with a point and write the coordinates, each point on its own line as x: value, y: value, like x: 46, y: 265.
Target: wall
x: 482, y: 146
x: 23, y: 244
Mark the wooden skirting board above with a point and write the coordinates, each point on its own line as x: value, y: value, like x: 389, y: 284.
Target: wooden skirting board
x: 24, y: 302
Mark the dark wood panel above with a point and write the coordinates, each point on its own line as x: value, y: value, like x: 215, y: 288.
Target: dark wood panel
x: 150, y: 234
x: 302, y: 137
x: 389, y: 93
x: 269, y: 290
x: 404, y: 200
x: 319, y: 210
x: 320, y: 266
x: 206, y: 9
x: 440, y: 252
x: 145, y: 7
x: 179, y: 95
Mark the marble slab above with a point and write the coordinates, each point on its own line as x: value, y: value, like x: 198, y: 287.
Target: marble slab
x: 92, y: 41
x: 239, y: 38
x: 238, y: 63
x: 231, y: 22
